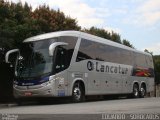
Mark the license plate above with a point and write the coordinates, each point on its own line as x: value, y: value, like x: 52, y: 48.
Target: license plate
x: 28, y: 94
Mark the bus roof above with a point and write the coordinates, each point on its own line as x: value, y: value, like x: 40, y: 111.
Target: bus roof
x: 82, y: 35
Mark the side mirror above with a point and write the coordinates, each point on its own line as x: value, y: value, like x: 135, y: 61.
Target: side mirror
x: 9, y: 53
x: 54, y: 45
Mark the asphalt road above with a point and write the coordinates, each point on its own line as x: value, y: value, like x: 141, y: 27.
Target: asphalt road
x: 87, y: 110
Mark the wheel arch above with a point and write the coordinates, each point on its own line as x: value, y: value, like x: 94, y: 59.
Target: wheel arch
x: 144, y: 84
x: 136, y: 82
x: 82, y: 83
x: 135, y: 90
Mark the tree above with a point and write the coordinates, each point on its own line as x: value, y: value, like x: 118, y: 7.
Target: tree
x: 156, y: 59
x: 147, y: 51
x: 98, y: 32
x: 107, y: 35
x: 157, y: 68
x: 52, y: 20
x: 18, y: 22
x: 13, y: 23
x: 127, y: 43
x: 116, y: 37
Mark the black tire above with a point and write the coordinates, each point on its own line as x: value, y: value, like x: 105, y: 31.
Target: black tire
x: 142, y: 91
x: 78, y: 94
x: 136, y: 92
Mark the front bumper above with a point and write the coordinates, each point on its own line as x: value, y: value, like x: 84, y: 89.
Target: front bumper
x: 34, y: 91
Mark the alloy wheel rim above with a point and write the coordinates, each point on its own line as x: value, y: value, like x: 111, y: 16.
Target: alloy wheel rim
x: 77, y: 93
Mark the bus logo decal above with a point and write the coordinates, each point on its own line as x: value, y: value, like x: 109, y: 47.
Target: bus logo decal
x: 90, y: 66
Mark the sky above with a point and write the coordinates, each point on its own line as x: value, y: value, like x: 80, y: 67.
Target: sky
x: 138, y: 21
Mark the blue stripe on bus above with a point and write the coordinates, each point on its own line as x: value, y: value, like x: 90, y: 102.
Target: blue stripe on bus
x: 32, y: 82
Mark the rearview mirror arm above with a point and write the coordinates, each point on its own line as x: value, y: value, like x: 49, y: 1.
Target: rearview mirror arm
x: 8, y: 53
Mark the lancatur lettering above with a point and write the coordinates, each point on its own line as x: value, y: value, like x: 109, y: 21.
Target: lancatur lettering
x: 106, y: 68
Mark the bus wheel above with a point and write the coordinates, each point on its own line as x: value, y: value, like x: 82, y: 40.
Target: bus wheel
x: 142, y: 91
x: 135, y: 91
x: 77, y: 93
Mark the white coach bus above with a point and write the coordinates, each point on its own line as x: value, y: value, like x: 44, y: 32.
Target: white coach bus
x: 77, y: 64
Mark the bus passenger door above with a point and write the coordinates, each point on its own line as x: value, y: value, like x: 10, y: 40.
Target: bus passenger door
x: 60, y: 64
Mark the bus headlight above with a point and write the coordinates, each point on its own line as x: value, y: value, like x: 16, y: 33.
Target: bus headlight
x: 46, y: 83
x: 51, y: 78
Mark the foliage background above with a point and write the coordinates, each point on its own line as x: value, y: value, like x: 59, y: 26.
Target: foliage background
x: 18, y: 22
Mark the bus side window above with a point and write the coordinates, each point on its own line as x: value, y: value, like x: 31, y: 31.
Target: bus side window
x: 61, y: 62
x: 149, y: 61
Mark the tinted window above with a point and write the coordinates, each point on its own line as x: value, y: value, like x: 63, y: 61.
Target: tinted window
x: 62, y: 61
x: 140, y: 60
x: 124, y: 56
x: 86, y: 50
x: 149, y: 61
x: 64, y: 53
x: 97, y: 51
x: 35, y: 60
x: 71, y: 45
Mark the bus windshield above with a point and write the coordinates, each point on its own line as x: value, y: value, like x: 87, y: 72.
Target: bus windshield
x: 35, y: 61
